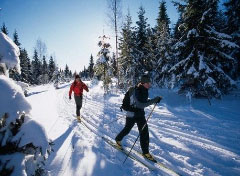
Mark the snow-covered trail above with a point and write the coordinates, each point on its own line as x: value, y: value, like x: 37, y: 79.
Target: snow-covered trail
x: 195, y: 139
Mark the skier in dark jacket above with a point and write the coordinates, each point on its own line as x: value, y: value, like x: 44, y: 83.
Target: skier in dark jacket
x: 139, y: 100
x: 77, y: 87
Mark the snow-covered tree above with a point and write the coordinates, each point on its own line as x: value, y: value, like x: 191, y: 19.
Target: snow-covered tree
x: 13, y: 73
x: 202, y: 60
x: 44, y: 72
x: 56, y: 78
x: 142, y: 41
x: 91, y: 66
x: 102, y: 68
x: 52, y: 67
x: 163, y: 51
x: 24, y: 145
x: 67, y: 72
x: 233, y: 29
x: 113, y: 65
x: 127, y: 58
x: 4, y: 29
x: 36, y: 68
x: 24, y: 64
x: 16, y: 38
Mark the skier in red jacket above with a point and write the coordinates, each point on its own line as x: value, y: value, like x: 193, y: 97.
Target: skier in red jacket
x: 77, y: 87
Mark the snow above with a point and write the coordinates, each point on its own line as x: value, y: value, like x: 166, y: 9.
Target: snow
x: 14, y: 104
x: 9, y: 52
x: 186, y: 134
x: 28, y: 133
x: 192, y: 32
x: 12, y: 99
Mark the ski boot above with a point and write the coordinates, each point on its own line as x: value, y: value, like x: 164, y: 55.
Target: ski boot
x: 119, y: 145
x: 149, y: 157
x: 78, y: 118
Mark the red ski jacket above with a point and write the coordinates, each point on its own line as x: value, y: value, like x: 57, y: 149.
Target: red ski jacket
x: 77, y: 88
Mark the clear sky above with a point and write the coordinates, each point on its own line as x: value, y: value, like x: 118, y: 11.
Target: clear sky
x: 70, y: 28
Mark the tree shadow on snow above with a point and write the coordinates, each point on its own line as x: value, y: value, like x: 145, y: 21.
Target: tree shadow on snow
x: 34, y: 93
x: 59, y: 142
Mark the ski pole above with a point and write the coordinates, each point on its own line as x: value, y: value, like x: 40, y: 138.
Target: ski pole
x: 139, y: 133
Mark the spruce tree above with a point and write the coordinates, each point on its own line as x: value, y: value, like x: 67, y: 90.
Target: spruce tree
x: 163, y: 20
x: 36, y: 66
x: 44, y: 71
x: 52, y: 67
x: 113, y: 65
x: 16, y: 39
x: 24, y: 61
x: 4, y: 29
x: 127, y: 59
x: 202, y: 60
x: 66, y: 71
x: 13, y: 73
x: 91, y: 66
x: 141, y: 40
x: 233, y: 28
x: 102, y: 67
x: 163, y: 53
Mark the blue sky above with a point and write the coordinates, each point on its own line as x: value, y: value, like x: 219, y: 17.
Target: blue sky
x: 70, y: 28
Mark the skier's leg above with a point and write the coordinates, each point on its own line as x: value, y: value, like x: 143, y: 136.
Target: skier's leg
x: 128, y: 126
x: 78, y: 101
x: 144, y: 135
x: 78, y: 110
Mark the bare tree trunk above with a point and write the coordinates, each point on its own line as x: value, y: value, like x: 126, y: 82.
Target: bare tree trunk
x: 114, y: 15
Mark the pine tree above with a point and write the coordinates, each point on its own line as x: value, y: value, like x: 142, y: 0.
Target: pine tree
x: 4, y: 29
x: 44, y: 71
x: 113, y: 65
x: 179, y: 26
x: 233, y: 28
x: 163, y: 20
x: 13, y: 73
x: 141, y: 41
x: 102, y: 65
x: 24, y: 61
x: 66, y: 72
x: 52, y: 67
x: 91, y: 66
x: 16, y: 39
x: 36, y: 66
x: 164, y: 55
x: 127, y: 59
x: 202, y: 60
x: 29, y: 70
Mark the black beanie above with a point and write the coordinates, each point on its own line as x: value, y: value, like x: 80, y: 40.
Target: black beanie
x: 77, y: 76
x: 145, y: 79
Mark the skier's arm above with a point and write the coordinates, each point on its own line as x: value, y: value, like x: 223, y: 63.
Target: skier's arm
x: 70, y: 91
x: 142, y: 104
x: 85, y: 87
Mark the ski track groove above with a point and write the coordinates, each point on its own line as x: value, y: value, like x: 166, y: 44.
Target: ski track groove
x: 159, y: 128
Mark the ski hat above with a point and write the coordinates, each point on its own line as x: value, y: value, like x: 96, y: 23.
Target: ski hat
x: 145, y: 79
x: 77, y: 76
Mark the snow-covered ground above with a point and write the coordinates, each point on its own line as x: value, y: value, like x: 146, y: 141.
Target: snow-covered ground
x: 191, y: 138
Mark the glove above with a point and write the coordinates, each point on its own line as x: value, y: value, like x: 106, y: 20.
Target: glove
x: 70, y: 97
x: 157, y: 99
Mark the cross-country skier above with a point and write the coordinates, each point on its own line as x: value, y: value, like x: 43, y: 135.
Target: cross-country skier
x: 77, y: 87
x: 135, y: 114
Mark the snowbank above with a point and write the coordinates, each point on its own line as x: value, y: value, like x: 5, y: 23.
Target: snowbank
x: 9, y: 52
x: 12, y: 99
x: 23, y: 142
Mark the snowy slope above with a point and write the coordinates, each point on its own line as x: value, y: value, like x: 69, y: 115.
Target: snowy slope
x: 192, y: 139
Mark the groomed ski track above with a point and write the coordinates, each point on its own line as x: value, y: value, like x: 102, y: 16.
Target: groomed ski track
x: 181, y: 146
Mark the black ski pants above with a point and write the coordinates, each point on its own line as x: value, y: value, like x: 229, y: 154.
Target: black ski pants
x: 144, y: 135
x: 78, y: 101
